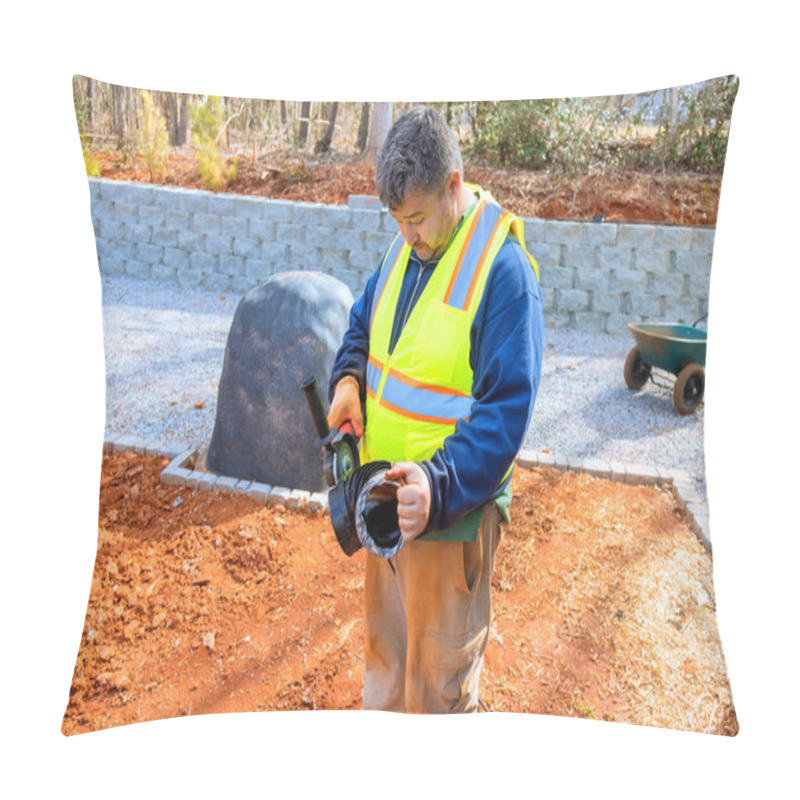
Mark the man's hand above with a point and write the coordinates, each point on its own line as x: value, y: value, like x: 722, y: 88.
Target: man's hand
x: 413, y: 497
x: 346, y: 405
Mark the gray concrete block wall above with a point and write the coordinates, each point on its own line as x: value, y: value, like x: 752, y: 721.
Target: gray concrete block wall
x: 600, y: 276
x: 594, y: 276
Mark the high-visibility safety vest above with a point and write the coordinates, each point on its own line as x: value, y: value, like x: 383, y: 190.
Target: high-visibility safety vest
x: 417, y: 394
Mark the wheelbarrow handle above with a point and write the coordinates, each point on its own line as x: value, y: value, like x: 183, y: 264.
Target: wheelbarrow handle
x: 700, y: 319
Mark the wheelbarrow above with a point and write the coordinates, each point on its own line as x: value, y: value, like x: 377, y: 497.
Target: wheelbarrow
x: 677, y: 349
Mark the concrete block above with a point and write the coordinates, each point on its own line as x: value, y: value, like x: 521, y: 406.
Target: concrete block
x: 369, y: 220
x: 656, y: 261
x: 297, y: 499
x: 580, y: 256
x: 193, y: 481
x: 203, y: 262
x: 558, y: 232
x: 190, y: 240
x: 242, y: 486
x: 618, y: 471
x: 364, y: 259
x: 234, y: 226
x: 109, y: 265
x: 693, y: 263
x: 137, y: 233
x: 647, y: 305
x: 168, y: 197
x: 363, y: 201
x: 110, y: 228
x: 264, y: 229
x: 335, y: 216
x: 548, y: 297
x: 642, y: 475
x: 177, y: 220
x: 547, y: 256
x: 231, y: 265
x: 278, y: 210
x: 247, y: 246
x: 533, y: 228
x: 193, y: 201
x: 304, y: 257
x: 347, y: 239
x: 187, y: 279
x: 561, y: 462
x: 605, y: 302
x: 148, y: 253
x: 596, y: 467
x: 259, y: 492
x: 669, y: 284
x: 137, y: 269
x: 573, y: 300
x: 279, y: 495
x: 556, y: 319
x: 175, y: 258
x: 616, y: 258
x: 159, y: 272
x: 333, y: 260
x: 637, y: 236
x: 206, y: 482
x: 672, y: 238
x: 225, y: 484
x: 290, y: 234
x: 205, y: 223
x: 593, y: 233
x: 317, y: 502
x: 126, y: 212
x: 628, y: 280
x: 377, y: 241
x: 152, y: 215
x: 703, y: 240
x: 308, y: 214
x: 591, y: 280
x: 258, y: 269
x: 125, y: 442
x: 164, y: 237
x: 558, y: 278
x: 174, y: 476
x: 218, y: 245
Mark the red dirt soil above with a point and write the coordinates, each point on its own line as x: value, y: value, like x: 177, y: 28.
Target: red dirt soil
x: 209, y: 603
x: 629, y: 196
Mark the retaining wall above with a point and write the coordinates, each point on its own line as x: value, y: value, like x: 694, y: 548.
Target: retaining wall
x: 594, y: 276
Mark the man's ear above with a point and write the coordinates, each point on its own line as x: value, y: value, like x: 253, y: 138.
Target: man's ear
x: 453, y: 185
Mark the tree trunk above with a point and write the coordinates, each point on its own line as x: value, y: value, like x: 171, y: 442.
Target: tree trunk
x: 379, y: 124
x: 673, y: 107
x: 363, y: 128
x: 185, y: 126
x: 174, y: 118
x: 120, y: 115
x: 323, y: 145
x: 305, y: 113
x: 90, y: 101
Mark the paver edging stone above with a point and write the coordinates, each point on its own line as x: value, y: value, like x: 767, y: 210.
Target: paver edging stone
x: 181, y: 472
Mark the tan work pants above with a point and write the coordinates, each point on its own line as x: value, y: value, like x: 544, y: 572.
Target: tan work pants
x: 427, y: 612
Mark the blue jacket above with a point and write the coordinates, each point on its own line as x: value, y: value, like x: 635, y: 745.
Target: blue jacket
x: 505, y: 357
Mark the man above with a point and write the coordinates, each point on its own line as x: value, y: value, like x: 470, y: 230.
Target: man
x: 444, y: 346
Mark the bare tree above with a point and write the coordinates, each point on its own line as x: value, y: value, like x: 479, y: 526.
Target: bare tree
x: 363, y: 128
x: 120, y: 100
x: 305, y: 114
x: 323, y: 145
x: 379, y: 124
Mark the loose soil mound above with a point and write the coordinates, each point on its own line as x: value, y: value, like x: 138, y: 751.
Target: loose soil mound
x: 630, y: 196
x: 206, y: 603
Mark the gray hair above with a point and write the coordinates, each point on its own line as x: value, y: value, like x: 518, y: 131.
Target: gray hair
x: 419, y: 154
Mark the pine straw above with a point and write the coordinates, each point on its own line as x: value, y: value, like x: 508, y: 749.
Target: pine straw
x: 626, y: 589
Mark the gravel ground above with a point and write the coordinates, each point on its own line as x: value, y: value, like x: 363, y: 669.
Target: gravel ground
x: 164, y: 349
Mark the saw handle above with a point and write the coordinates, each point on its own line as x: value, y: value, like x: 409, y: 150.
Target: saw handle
x: 311, y: 391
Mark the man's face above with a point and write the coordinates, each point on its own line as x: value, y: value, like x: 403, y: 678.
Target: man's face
x: 426, y: 221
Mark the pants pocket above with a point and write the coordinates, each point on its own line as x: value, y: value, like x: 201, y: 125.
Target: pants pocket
x: 454, y: 667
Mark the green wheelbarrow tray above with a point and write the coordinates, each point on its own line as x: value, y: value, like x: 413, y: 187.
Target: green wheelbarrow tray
x: 678, y: 349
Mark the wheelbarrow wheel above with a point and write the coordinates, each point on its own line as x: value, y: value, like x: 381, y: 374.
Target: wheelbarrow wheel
x: 636, y: 371
x: 689, y: 388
